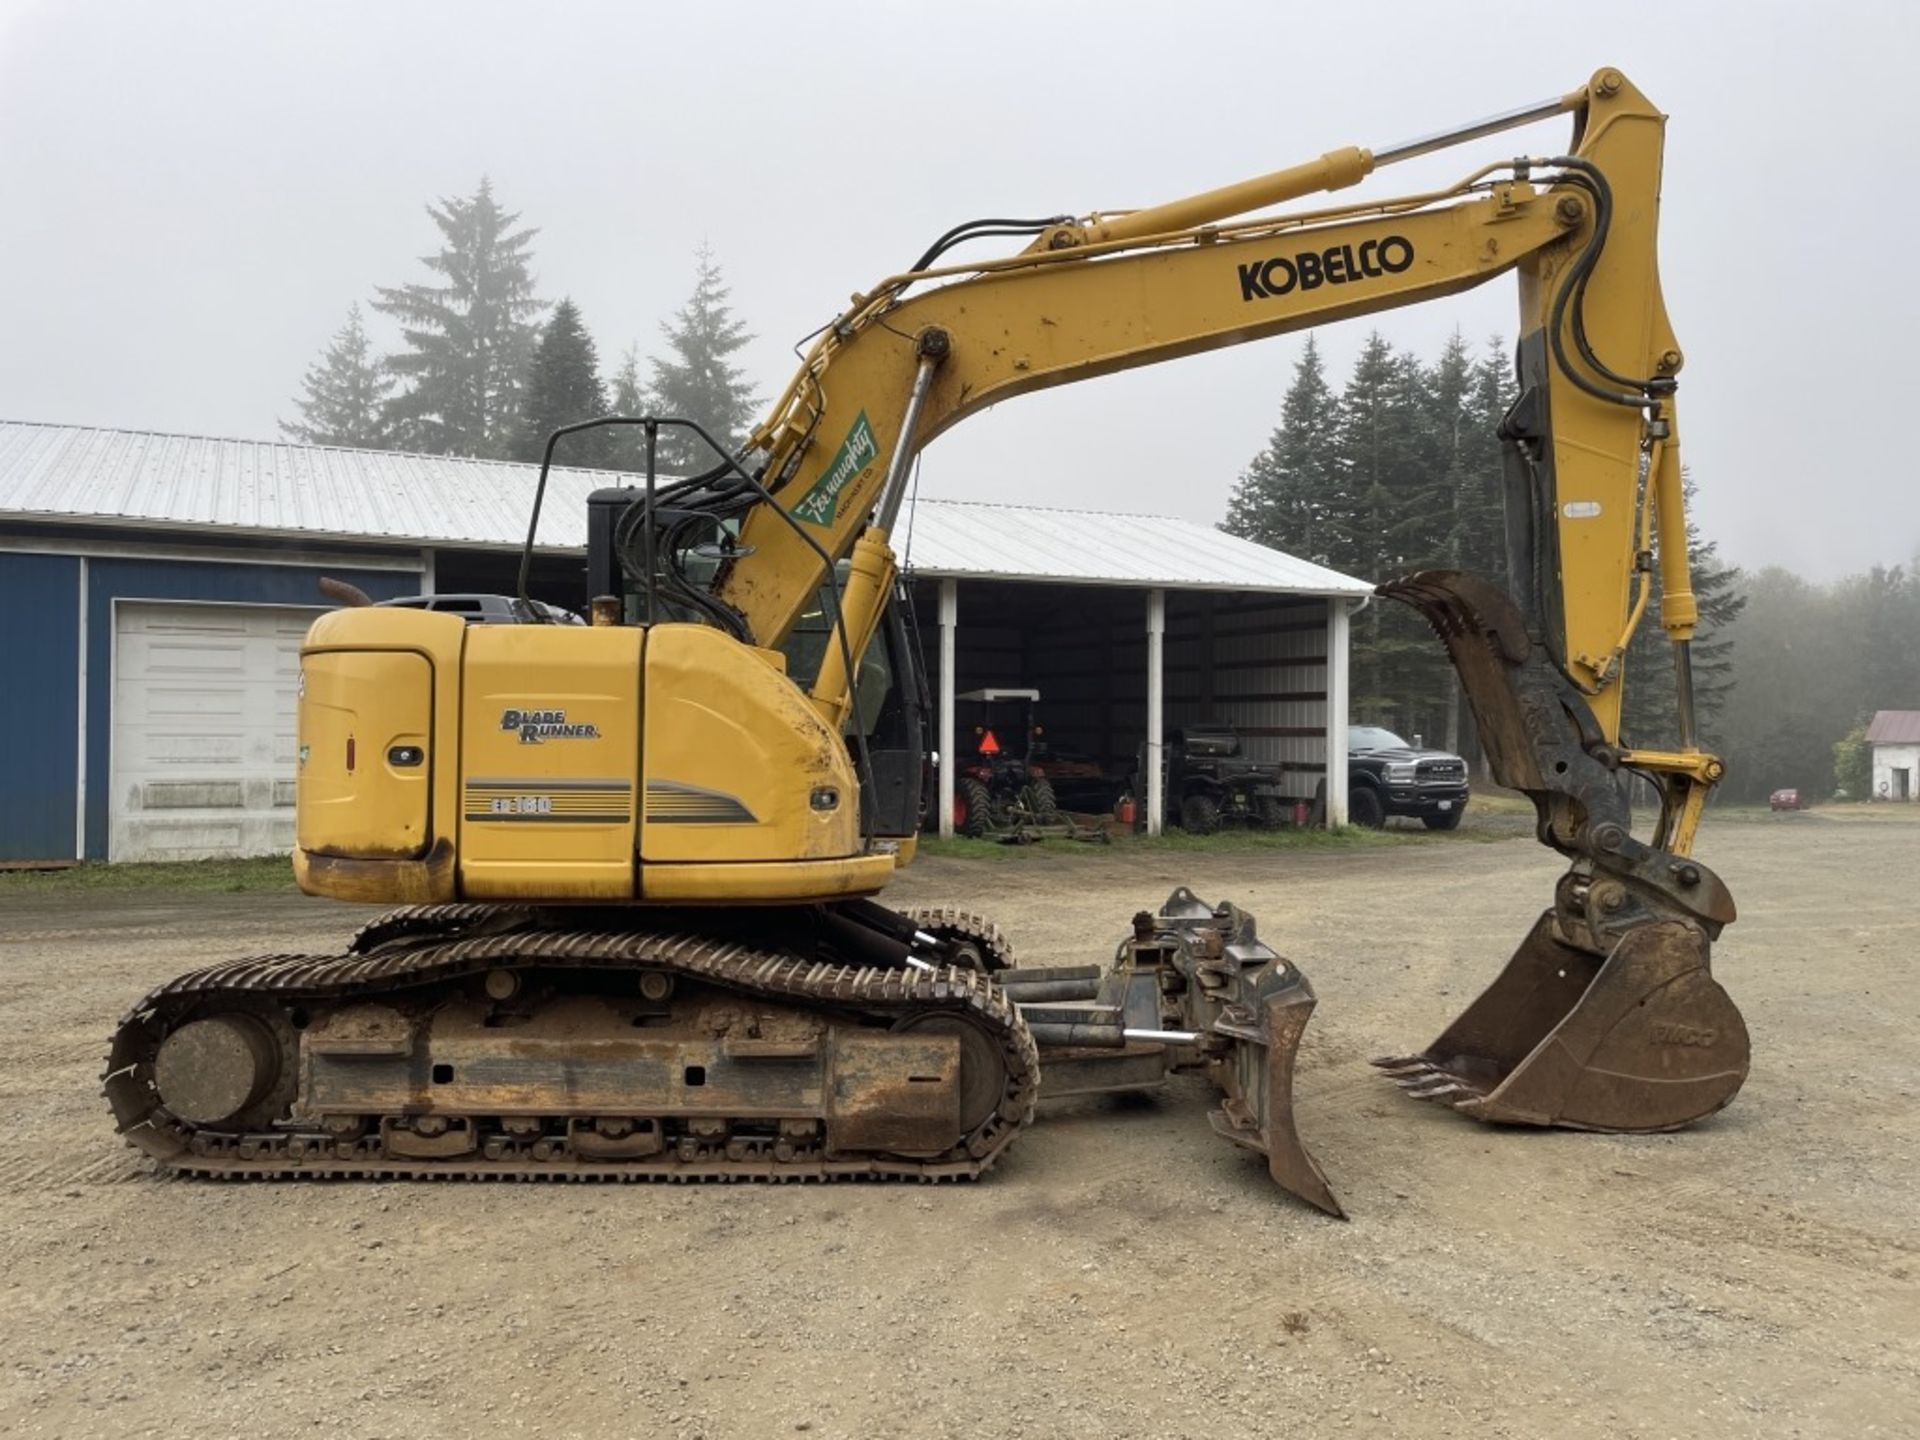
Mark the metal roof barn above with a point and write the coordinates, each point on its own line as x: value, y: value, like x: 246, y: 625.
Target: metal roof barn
x: 156, y: 587
x: 1895, y: 739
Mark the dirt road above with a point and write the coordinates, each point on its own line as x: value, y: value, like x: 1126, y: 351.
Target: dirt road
x: 1122, y: 1273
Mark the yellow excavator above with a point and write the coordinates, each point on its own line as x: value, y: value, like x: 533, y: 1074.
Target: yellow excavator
x: 635, y: 859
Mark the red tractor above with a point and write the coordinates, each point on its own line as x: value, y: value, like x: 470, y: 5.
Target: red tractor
x: 1000, y: 786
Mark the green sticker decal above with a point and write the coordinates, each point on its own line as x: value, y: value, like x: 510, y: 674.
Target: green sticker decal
x: 858, y: 451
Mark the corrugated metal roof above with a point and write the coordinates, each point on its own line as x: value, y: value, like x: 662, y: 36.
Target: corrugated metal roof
x: 73, y: 472
x: 1894, y: 727
x: 140, y: 478
x: 1085, y: 547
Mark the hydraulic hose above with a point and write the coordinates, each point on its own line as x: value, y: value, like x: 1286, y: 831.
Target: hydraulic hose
x: 1586, y: 176
x: 981, y: 229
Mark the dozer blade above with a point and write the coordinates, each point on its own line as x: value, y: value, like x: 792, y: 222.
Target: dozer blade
x: 1193, y: 988
x: 1643, y: 1040
x: 1256, y: 1110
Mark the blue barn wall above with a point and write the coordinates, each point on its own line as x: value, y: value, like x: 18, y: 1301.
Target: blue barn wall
x: 39, y: 716
x: 119, y: 579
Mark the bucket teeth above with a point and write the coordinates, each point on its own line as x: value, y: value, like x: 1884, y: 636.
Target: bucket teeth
x: 1397, y: 1064
x: 1423, y: 1080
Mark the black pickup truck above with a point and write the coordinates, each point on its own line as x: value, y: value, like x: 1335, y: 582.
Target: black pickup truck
x: 1386, y: 776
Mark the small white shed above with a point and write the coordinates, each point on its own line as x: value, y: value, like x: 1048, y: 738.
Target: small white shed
x: 1895, y: 738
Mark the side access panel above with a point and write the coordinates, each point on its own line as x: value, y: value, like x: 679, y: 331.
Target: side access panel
x: 550, y: 750
x: 739, y: 766
x: 364, y: 778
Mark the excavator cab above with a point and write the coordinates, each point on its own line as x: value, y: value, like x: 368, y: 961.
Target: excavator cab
x: 887, y: 719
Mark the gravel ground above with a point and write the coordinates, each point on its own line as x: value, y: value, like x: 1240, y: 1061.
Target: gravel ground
x: 1122, y: 1273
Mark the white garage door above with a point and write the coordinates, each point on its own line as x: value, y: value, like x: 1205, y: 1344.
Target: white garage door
x: 203, y: 726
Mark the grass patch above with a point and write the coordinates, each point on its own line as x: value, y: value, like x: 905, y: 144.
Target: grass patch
x: 1236, y: 838
x: 1873, y: 811
x: 273, y: 874
x: 267, y: 875
x: 962, y: 847
x: 1492, y: 800
x: 1844, y: 811
x: 1232, y: 840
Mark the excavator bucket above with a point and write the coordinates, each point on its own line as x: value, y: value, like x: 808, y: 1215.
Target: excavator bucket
x: 1642, y: 1040
x: 1608, y: 1016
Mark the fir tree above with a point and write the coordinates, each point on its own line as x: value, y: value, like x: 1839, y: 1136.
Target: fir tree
x: 1389, y: 460
x: 1288, y: 497
x: 698, y: 382
x: 1386, y: 475
x: 343, y: 394
x: 626, y: 444
x: 469, y: 338
x: 1483, y: 531
x: 1449, y: 423
x: 628, y: 397
x: 1451, y: 434
x: 1416, y: 528
x: 563, y: 387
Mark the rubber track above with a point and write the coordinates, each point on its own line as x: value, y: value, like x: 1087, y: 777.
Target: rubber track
x: 415, y: 922
x: 411, y: 922
x: 869, y: 990
x: 965, y: 924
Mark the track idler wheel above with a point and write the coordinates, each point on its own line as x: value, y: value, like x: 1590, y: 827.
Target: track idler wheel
x: 212, y: 1071
x: 983, y: 1070
x: 1642, y: 1040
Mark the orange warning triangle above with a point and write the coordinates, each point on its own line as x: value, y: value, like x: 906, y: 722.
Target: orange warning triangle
x: 989, y: 745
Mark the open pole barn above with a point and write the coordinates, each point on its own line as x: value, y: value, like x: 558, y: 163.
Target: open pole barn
x: 1129, y: 627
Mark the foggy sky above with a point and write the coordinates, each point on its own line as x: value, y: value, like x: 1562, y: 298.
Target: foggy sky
x: 194, y: 194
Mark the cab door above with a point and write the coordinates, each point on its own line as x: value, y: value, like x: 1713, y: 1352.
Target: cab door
x: 892, y: 707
